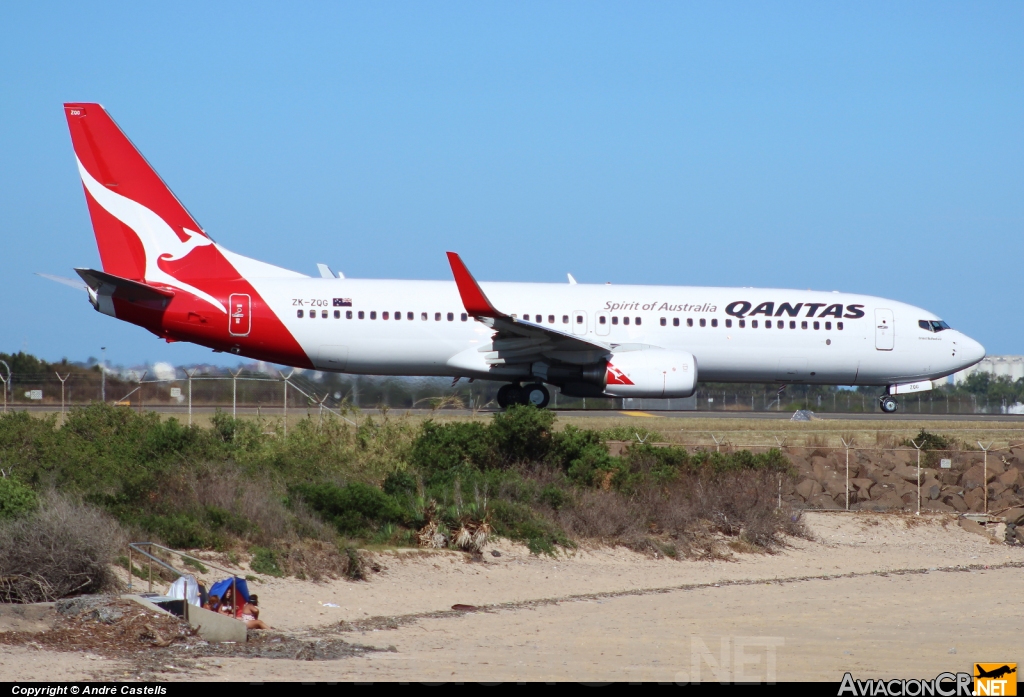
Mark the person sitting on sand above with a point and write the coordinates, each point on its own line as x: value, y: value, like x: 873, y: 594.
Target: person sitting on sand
x: 251, y: 613
x: 227, y: 603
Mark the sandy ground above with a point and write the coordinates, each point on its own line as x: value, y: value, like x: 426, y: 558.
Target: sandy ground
x: 873, y: 594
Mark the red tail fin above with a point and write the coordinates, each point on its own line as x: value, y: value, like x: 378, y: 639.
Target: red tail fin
x: 108, y: 159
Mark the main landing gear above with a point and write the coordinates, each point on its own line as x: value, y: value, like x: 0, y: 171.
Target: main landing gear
x: 888, y: 404
x: 534, y: 393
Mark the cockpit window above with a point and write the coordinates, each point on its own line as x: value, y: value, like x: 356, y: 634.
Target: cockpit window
x: 932, y: 325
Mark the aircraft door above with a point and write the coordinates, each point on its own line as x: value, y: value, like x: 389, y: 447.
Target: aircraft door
x: 885, y: 330
x: 239, y: 314
x: 602, y: 324
x: 579, y: 322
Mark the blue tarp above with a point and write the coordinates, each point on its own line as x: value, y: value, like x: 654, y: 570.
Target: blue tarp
x: 220, y: 586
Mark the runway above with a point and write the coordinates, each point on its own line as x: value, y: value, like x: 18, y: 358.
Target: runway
x: 274, y: 411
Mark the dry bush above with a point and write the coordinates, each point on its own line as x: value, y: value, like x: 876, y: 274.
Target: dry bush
x: 313, y: 559
x: 688, y: 511
x: 64, y: 548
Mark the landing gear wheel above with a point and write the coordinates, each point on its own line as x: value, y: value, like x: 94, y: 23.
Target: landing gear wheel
x: 508, y: 395
x: 888, y: 404
x: 537, y: 395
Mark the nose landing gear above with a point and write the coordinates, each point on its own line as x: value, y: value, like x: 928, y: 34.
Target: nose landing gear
x: 535, y: 394
x: 888, y: 404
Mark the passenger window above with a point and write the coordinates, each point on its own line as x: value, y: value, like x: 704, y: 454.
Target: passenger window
x: 299, y: 314
x: 664, y: 322
x: 437, y: 316
x: 781, y: 324
x: 373, y: 314
x: 579, y: 319
x: 803, y: 325
x: 565, y: 319
x: 451, y: 316
x: 602, y: 320
x: 312, y: 314
x: 538, y: 319
x: 753, y: 324
x: 767, y: 324
x: 675, y: 321
x: 625, y: 320
x: 362, y: 315
x: 817, y: 325
x: 423, y: 316
x: 551, y: 319
x: 728, y: 323
x: 464, y: 317
x: 714, y: 323
x: 743, y: 323
x: 689, y: 321
x: 348, y: 314
x: 638, y: 320
x: 337, y: 314
x: 792, y: 324
x: 828, y: 325
x: 383, y: 315
x: 615, y: 320
x: 703, y: 322
x: 409, y: 315
x: 398, y: 315
x: 839, y: 326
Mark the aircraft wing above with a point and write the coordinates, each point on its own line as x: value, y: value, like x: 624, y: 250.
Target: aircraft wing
x: 520, y: 341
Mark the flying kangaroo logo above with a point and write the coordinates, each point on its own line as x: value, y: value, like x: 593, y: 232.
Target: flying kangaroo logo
x: 617, y: 377
x: 158, y: 240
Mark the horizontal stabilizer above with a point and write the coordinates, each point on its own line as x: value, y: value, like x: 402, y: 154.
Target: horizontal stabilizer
x: 123, y: 288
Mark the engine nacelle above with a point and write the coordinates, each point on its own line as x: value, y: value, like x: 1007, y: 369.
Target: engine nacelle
x: 652, y: 373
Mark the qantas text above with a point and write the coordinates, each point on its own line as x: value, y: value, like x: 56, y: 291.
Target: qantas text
x: 742, y: 308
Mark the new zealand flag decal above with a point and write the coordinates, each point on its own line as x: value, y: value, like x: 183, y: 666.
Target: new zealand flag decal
x: 343, y: 302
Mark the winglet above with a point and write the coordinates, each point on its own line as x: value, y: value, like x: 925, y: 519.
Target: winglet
x: 473, y: 298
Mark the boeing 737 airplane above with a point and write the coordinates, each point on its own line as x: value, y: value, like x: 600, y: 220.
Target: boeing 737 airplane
x: 163, y: 272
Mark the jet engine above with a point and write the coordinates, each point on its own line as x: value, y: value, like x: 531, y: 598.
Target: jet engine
x: 652, y: 373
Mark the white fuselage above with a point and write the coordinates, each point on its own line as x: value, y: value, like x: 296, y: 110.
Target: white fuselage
x: 797, y: 337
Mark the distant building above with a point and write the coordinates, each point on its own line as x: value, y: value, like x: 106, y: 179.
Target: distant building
x: 1010, y: 366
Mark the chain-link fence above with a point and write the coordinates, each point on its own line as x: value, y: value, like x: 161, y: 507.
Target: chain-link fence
x: 250, y: 389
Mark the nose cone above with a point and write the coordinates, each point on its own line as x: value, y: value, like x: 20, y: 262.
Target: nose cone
x: 970, y: 351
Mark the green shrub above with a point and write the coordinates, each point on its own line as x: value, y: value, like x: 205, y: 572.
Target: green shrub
x: 522, y: 433
x: 181, y: 531
x: 553, y: 496
x: 352, y: 509
x: 16, y: 499
x: 264, y: 561
x: 400, y: 484
x: 442, y: 448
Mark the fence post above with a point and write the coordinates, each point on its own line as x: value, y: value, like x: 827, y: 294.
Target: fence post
x: 5, y: 381
x: 914, y: 443
x: 847, y: 446
x: 141, y: 378
x: 234, y: 393
x: 985, y: 475
x: 62, y: 381
x: 718, y: 444
x: 190, y: 374
x: 286, y: 377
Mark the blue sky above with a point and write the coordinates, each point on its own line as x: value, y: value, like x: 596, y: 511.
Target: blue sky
x: 865, y: 147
